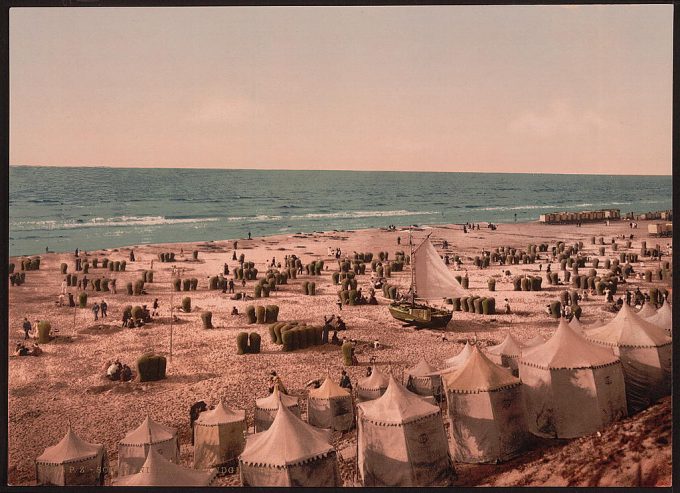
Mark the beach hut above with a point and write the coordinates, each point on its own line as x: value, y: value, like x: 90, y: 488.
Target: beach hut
x: 219, y: 436
x: 455, y: 361
x: 402, y: 441
x: 133, y: 449
x: 290, y: 453
x: 663, y: 318
x: 537, y: 340
x: 330, y: 406
x: 571, y: 387
x: 372, y: 387
x: 486, y: 411
x: 647, y: 311
x: 506, y: 353
x: 159, y: 471
x: 72, y: 462
x: 266, y: 408
x: 645, y: 352
x: 423, y: 379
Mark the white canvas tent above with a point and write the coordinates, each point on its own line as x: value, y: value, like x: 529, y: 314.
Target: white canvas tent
x: 330, y: 406
x: 402, y: 441
x: 290, y: 453
x: 423, y: 379
x: 266, y: 408
x: 218, y: 436
x: 71, y: 462
x: 663, y: 318
x: 372, y: 387
x: 645, y: 352
x: 486, y: 411
x: 537, y: 340
x: 571, y: 387
x: 648, y: 310
x: 577, y: 325
x: 455, y: 361
x: 133, y: 449
x: 506, y: 353
x: 158, y: 471
x: 433, y: 278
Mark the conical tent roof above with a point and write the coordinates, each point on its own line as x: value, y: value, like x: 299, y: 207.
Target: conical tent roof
x: 149, y: 432
x: 328, y: 390
x: 397, y: 406
x: 576, y: 324
x: 421, y: 369
x: 628, y: 329
x: 273, y: 399
x: 71, y: 448
x: 566, y: 349
x: 458, y: 359
x: 509, y: 347
x: 220, y: 415
x: 535, y: 341
x: 647, y: 311
x: 479, y: 374
x: 377, y: 380
x: 158, y: 471
x: 663, y: 318
x: 287, y: 442
x: 433, y: 278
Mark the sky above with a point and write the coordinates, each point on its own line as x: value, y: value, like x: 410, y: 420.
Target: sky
x: 536, y: 89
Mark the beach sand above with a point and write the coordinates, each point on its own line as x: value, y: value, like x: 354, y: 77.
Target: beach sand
x: 67, y: 382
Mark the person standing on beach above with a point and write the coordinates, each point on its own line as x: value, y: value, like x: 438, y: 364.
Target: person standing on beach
x: 27, y: 328
x: 103, y: 307
x: 249, y: 237
x: 95, y: 311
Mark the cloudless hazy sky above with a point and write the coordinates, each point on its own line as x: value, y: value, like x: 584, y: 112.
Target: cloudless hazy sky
x: 569, y: 89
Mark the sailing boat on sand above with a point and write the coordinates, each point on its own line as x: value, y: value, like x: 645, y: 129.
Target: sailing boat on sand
x: 430, y: 280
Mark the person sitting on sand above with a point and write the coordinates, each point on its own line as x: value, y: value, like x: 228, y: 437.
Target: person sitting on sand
x: 547, y: 309
x: 234, y: 311
x: 21, y: 350
x: 113, y: 371
x: 60, y: 301
x: 372, y: 300
x: 126, y: 318
x: 340, y: 324
x: 345, y: 382
x: 35, y: 350
x: 275, y: 381
x: 376, y: 344
x: 125, y: 373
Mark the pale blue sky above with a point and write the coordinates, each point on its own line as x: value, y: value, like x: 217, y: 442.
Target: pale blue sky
x: 573, y: 89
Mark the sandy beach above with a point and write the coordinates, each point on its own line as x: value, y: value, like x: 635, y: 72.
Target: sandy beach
x: 67, y: 382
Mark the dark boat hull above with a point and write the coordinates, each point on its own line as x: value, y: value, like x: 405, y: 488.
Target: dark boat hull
x: 422, y: 316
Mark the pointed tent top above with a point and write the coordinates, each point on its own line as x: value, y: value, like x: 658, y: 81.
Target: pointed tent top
x: 397, y: 406
x: 159, y: 471
x: 628, y: 329
x: 327, y: 390
x: 663, y: 318
x: 421, y: 369
x: 287, y: 442
x: 576, y: 324
x: 149, y: 432
x: 220, y: 415
x: 479, y: 374
x: 647, y: 311
x: 458, y: 359
x: 509, y: 347
x: 537, y: 340
x: 377, y: 380
x: 71, y: 448
x: 566, y: 349
x: 433, y: 278
x: 271, y: 402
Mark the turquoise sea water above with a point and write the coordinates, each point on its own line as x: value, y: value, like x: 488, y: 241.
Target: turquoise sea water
x: 89, y: 208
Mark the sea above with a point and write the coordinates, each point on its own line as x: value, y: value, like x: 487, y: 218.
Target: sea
x: 63, y: 208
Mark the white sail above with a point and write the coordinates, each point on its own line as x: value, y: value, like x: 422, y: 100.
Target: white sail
x: 433, y: 279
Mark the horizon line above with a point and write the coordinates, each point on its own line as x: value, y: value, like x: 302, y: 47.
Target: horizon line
x: 333, y: 169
